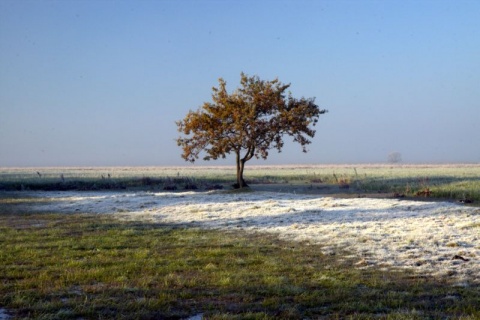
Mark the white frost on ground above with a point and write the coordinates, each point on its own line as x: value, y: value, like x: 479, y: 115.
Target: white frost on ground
x: 432, y: 238
x: 3, y: 314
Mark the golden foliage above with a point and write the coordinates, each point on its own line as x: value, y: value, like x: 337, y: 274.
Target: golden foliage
x: 248, y: 122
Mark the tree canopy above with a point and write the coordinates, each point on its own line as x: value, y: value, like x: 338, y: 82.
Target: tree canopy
x: 394, y: 157
x: 247, y: 122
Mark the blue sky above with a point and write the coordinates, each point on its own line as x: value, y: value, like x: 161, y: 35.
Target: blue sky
x: 86, y: 83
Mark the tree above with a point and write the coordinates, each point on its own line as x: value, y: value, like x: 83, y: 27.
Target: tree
x: 394, y: 157
x: 248, y: 122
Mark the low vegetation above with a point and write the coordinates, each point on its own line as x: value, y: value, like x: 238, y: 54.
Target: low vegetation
x: 59, y: 266
x: 450, y: 182
x: 83, y: 266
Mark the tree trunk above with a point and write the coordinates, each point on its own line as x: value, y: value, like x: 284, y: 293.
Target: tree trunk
x: 240, y: 166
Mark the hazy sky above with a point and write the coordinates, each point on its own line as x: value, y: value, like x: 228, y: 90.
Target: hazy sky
x: 103, y: 82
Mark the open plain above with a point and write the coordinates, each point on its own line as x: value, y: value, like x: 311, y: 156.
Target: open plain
x: 435, y: 239
x: 409, y: 254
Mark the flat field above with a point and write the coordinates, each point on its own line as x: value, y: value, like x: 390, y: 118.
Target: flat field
x: 304, y: 242
x: 458, y: 182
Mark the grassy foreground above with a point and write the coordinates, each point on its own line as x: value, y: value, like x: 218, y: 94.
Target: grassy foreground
x: 58, y: 266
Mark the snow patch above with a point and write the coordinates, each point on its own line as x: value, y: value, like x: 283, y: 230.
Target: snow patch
x: 436, y: 239
x: 4, y: 315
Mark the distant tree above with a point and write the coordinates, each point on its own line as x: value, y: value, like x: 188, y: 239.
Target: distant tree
x: 248, y: 122
x: 395, y: 157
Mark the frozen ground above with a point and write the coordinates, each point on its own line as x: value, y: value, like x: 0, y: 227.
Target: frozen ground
x: 435, y: 239
x: 3, y: 314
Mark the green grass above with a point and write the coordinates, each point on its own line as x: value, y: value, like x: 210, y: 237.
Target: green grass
x: 59, y: 266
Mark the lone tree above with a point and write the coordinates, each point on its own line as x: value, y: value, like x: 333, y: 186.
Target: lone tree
x: 248, y: 122
x: 394, y: 157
